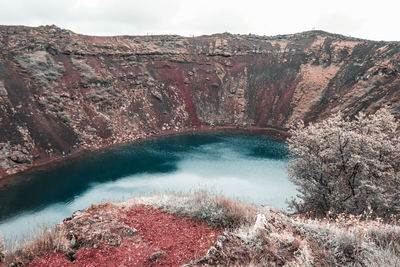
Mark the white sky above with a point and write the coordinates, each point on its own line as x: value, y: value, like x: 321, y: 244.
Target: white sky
x: 376, y: 20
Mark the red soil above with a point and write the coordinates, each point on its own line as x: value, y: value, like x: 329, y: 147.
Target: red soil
x: 175, y: 240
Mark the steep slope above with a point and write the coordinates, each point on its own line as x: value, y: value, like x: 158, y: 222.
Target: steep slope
x: 62, y: 92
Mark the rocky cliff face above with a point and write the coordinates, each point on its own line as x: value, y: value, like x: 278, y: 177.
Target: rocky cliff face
x: 62, y: 92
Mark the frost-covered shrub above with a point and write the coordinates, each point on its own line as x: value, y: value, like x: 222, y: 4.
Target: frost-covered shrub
x: 342, y: 165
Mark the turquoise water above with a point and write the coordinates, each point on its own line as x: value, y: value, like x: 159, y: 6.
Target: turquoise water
x: 241, y: 166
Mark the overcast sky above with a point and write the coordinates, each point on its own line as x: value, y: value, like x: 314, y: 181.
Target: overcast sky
x: 376, y: 20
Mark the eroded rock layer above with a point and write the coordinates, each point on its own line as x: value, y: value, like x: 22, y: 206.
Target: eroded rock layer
x: 62, y: 92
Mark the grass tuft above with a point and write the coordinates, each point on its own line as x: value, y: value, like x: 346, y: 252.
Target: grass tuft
x: 47, y: 240
x: 216, y: 211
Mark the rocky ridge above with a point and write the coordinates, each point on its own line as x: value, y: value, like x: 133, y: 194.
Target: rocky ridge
x: 207, y: 230
x: 62, y: 92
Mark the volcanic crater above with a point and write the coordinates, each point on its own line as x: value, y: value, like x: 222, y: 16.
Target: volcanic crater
x: 63, y: 93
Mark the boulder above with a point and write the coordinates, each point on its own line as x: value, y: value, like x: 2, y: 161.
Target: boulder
x: 158, y: 255
x: 20, y: 158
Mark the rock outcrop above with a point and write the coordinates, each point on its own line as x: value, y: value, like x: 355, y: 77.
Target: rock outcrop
x: 62, y: 92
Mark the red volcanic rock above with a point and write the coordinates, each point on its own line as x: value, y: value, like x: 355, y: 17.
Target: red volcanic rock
x: 262, y: 237
x: 62, y: 93
x: 146, y: 236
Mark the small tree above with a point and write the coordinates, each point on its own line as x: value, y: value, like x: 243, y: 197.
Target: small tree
x: 342, y: 165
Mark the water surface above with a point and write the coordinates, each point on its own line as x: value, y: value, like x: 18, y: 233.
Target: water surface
x: 241, y: 166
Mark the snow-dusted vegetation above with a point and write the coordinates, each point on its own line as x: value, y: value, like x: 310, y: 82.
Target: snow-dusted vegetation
x: 344, y: 165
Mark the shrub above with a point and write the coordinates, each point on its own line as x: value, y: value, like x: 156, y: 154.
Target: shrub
x: 342, y: 165
x: 205, y: 207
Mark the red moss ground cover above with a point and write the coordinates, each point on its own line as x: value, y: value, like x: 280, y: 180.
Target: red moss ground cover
x: 163, y: 240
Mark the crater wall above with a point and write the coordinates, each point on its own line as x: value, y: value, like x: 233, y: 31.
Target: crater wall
x: 61, y: 92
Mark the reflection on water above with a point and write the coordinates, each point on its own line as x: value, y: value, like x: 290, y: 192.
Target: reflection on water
x: 244, y: 166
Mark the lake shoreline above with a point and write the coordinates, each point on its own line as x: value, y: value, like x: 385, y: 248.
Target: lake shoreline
x: 16, y: 178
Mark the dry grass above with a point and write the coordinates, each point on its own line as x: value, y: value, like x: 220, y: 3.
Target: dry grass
x: 46, y: 241
x: 205, y: 207
x: 350, y: 241
x: 274, y: 241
